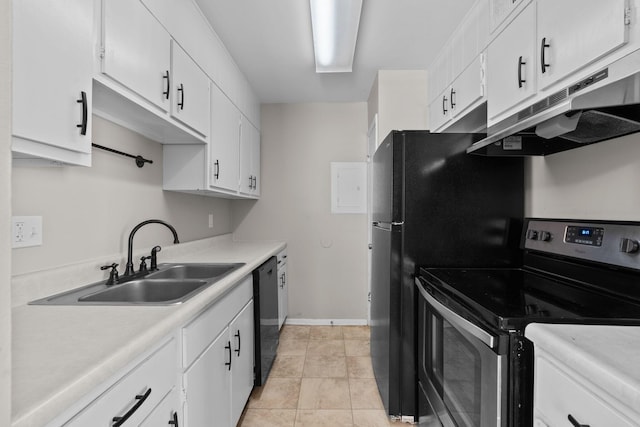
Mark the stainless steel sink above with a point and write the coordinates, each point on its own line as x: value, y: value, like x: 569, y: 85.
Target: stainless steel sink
x: 165, y: 291
x: 192, y: 271
x: 170, y: 284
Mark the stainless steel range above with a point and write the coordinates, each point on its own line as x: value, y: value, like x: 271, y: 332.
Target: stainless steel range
x: 475, y: 366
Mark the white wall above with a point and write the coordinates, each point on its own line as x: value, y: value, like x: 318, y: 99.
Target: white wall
x: 327, y: 253
x: 400, y: 99
x: 89, y: 212
x: 5, y: 212
x: 598, y: 181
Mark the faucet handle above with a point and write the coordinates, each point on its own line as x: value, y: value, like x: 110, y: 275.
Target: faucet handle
x: 154, y: 257
x: 113, y: 274
x: 143, y: 264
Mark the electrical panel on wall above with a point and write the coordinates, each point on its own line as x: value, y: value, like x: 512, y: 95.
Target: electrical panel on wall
x: 348, y: 187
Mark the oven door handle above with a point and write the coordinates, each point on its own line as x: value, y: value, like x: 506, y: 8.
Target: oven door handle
x: 457, y: 320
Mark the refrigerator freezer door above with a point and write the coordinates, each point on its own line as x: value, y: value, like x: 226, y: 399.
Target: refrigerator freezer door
x: 380, y: 309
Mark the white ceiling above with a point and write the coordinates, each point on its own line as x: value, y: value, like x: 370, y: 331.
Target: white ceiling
x: 271, y: 42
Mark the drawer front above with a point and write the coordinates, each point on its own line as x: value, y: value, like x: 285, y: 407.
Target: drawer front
x: 198, y: 334
x: 142, y: 388
x: 558, y: 396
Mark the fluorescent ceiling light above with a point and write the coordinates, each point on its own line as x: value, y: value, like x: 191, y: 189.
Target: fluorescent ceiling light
x: 335, y: 30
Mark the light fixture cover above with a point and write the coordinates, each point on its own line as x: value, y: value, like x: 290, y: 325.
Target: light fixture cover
x: 335, y: 30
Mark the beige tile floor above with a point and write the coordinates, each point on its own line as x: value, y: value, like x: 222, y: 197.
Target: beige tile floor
x: 322, y: 376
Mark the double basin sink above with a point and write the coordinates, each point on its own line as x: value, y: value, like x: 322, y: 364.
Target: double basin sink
x: 170, y: 284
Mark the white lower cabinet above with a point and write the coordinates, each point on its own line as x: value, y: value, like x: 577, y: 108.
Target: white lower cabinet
x: 218, y: 352
x: 564, y: 398
x: 134, y: 398
x: 166, y: 413
x: 283, y: 289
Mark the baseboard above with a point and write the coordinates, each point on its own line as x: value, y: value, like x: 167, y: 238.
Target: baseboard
x: 326, y: 322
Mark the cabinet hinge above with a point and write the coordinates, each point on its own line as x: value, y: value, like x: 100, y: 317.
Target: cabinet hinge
x: 101, y: 52
x: 369, y: 297
x: 627, y: 16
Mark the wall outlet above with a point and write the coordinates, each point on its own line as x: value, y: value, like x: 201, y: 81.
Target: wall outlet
x: 26, y: 231
x: 210, y: 220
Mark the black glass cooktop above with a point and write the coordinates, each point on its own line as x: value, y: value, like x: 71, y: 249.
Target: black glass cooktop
x: 510, y: 298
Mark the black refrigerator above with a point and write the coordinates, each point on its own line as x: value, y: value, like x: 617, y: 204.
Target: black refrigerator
x: 433, y: 205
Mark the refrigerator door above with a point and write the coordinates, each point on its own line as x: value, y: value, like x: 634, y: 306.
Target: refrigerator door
x: 381, y: 309
x: 382, y: 194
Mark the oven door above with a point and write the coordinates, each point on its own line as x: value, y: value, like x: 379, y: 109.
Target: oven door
x: 462, y: 374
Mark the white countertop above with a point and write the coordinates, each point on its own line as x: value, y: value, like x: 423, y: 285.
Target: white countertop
x: 60, y: 353
x: 608, y: 356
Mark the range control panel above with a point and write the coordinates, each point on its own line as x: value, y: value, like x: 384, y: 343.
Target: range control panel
x: 615, y: 243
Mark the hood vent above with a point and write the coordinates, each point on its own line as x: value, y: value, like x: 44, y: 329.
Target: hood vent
x: 603, y: 106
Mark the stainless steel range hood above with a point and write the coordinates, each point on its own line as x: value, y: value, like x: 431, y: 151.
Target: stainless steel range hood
x: 602, y: 106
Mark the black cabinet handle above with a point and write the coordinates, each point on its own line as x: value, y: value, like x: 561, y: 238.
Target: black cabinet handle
x: 575, y: 423
x: 250, y: 181
x: 228, y: 347
x: 85, y: 113
x: 216, y: 174
x: 181, y: 102
x: 543, y: 46
x: 520, y: 79
x: 453, y: 104
x: 174, y: 420
x: 444, y: 104
x: 118, y: 421
x: 237, y: 350
x: 166, y: 92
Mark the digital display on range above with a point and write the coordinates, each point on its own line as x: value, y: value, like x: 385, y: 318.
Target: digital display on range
x: 591, y: 236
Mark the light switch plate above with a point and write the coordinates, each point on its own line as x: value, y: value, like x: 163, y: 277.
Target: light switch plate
x: 26, y: 231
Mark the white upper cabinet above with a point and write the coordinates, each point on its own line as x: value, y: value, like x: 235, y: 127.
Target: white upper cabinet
x: 52, y: 72
x: 224, y: 142
x: 190, y: 86
x: 457, y: 75
x: 546, y: 45
x: 249, y: 158
x: 136, y: 51
x: 499, y: 10
x: 574, y: 33
x: 512, y: 64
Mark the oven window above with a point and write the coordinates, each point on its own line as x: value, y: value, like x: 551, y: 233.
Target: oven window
x: 461, y: 377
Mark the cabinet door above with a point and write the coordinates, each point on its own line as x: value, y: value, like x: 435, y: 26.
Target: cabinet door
x: 242, y: 343
x: 468, y: 88
x: 440, y: 73
x: 191, y: 100
x: 207, y: 382
x: 512, y: 64
x: 249, y: 158
x: 137, y: 50
x: 574, y: 33
x: 224, y: 141
x: 165, y: 412
x: 255, y: 159
x: 283, y: 295
x: 440, y: 110
x: 52, y: 67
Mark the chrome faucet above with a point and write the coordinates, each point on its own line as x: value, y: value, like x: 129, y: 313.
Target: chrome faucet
x: 129, y: 270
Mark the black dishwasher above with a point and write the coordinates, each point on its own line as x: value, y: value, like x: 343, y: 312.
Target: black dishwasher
x: 265, y: 297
